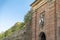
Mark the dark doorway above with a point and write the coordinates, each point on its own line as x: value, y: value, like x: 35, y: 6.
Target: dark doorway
x: 42, y: 36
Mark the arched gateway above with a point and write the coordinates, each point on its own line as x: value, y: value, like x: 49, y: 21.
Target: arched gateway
x: 42, y: 36
x: 46, y: 20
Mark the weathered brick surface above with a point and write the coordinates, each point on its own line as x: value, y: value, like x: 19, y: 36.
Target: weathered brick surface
x: 52, y: 21
x: 58, y: 18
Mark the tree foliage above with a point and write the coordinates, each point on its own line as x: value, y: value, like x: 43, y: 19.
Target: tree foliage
x: 17, y: 26
x: 28, y: 17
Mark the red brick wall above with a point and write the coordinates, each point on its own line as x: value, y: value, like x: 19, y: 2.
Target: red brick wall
x: 58, y: 18
x: 33, y: 26
x: 49, y: 25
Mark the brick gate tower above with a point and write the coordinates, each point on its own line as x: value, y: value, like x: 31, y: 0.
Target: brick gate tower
x: 46, y: 20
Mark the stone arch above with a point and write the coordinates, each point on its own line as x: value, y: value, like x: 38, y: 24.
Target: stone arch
x: 42, y: 36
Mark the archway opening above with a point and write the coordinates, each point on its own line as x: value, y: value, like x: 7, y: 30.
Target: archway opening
x: 42, y: 36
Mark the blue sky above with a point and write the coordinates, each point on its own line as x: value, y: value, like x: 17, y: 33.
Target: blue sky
x: 12, y: 11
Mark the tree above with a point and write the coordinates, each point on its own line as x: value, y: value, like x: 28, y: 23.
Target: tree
x: 28, y: 17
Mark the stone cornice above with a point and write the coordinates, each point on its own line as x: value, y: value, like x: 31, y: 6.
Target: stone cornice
x: 35, y: 2
x: 35, y: 6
